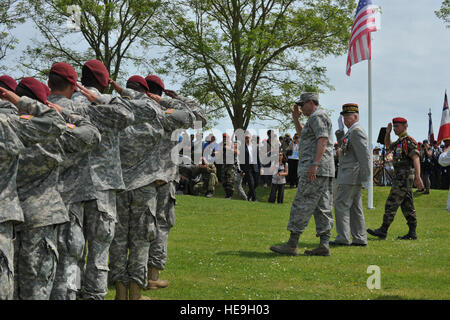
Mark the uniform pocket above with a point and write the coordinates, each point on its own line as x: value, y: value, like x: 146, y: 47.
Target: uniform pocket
x: 49, y: 260
x: 75, y: 239
x: 104, y: 230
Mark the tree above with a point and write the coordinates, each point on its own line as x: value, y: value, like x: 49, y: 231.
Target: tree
x: 444, y: 12
x: 10, y: 15
x: 78, y: 30
x: 252, y: 58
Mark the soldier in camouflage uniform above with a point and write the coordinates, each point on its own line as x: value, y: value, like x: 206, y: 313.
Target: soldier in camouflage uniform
x: 38, y: 124
x: 316, y: 172
x: 208, y: 179
x: 43, y: 207
x: 137, y: 205
x: 168, y: 177
x: 406, y: 172
x: 90, y: 183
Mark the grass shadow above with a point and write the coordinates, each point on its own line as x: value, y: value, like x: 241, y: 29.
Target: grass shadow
x: 388, y: 297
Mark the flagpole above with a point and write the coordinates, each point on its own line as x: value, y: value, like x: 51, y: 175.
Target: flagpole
x: 370, y: 191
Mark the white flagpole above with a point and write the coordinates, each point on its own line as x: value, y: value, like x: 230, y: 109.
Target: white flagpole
x: 370, y: 191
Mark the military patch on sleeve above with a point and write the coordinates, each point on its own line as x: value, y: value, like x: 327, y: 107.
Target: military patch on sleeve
x: 26, y: 116
x: 170, y: 111
x: 70, y: 125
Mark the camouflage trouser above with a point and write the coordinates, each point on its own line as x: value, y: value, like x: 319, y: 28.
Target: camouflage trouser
x: 238, y: 185
x: 87, y: 223
x: 6, y: 261
x: 35, y: 260
x: 400, y: 196
x: 165, y: 219
x: 206, y: 185
x: 135, y: 228
x: 71, y: 244
x: 228, y: 179
x: 312, y: 198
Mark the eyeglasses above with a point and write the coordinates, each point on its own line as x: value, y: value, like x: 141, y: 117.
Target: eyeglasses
x: 301, y: 104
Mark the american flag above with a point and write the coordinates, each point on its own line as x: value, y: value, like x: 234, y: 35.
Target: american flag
x: 360, y: 47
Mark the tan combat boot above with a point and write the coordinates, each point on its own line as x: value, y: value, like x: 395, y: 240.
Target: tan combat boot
x: 121, y: 291
x: 136, y: 292
x: 321, y: 250
x: 154, y: 282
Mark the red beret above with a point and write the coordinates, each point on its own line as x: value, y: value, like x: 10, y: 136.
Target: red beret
x: 155, y: 79
x: 99, y: 71
x: 399, y: 120
x: 40, y: 90
x: 66, y: 71
x: 140, y: 80
x: 10, y: 82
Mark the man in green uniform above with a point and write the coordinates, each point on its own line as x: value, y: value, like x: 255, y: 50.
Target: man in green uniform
x: 406, y: 171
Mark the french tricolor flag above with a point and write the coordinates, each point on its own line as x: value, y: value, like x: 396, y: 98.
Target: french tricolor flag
x: 444, y: 130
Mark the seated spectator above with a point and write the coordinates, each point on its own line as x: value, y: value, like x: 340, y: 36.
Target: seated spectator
x: 204, y: 179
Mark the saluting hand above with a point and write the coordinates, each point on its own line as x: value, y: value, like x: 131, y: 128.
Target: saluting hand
x: 171, y: 93
x: 54, y: 106
x: 389, y: 128
x: 91, y: 96
x: 116, y: 87
x: 154, y: 96
x: 9, y: 96
x: 296, y: 112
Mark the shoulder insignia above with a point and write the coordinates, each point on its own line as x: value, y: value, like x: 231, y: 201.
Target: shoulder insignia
x: 26, y: 116
x: 70, y: 125
x: 170, y: 111
x: 412, y: 139
x: 127, y: 97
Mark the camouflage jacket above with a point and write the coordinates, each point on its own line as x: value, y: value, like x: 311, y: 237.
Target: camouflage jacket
x: 100, y: 169
x: 40, y: 124
x: 167, y: 143
x: 38, y: 173
x: 141, y: 160
x: 404, y: 149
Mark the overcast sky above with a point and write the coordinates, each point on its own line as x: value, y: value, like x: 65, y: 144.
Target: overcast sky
x: 410, y: 70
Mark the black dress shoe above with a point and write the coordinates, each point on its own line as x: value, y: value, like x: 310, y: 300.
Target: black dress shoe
x: 359, y: 244
x: 334, y: 243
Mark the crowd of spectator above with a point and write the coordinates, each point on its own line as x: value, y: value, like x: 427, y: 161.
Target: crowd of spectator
x: 201, y: 178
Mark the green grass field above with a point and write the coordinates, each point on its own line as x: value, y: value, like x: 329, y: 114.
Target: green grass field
x: 219, y: 249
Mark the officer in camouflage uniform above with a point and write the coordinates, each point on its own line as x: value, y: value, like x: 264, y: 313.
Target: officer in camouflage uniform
x: 92, y: 201
x: 37, y: 179
x: 36, y: 125
x: 136, y: 207
x: 406, y: 171
x: 316, y: 172
x: 169, y: 177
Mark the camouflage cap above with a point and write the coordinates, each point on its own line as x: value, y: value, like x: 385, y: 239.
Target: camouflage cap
x: 307, y: 96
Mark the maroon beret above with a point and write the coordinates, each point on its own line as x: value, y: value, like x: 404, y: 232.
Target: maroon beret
x: 140, y: 80
x: 10, y: 82
x: 40, y: 90
x: 155, y: 79
x: 66, y: 71
x: 99, y: 71
x: 399, y: 120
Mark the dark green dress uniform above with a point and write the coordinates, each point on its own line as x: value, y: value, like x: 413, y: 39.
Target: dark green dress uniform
x: 401, y: 192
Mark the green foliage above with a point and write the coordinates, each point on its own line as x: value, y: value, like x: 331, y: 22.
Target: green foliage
x: 79, y: 30
x: 444, y: 12
x: 219, y: 249
x: 254, y: 57
x: 11, y: 13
